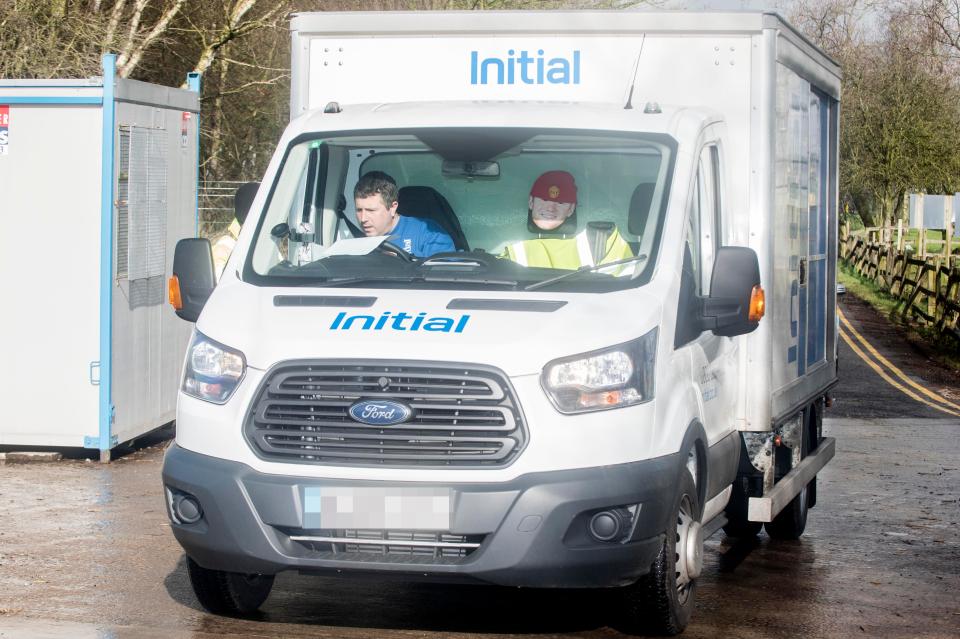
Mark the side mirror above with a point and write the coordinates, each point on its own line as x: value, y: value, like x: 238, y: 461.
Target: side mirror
x: 736, y: 303
x: 243, y: 199
x: 193, y: 277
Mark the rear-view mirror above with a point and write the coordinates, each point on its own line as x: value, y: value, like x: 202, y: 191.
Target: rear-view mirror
x: 457, y: 168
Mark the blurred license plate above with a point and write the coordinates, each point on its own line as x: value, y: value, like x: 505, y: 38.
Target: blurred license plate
x: 377, y: 508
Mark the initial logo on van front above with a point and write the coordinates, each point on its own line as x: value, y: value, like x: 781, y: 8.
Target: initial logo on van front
x: 380, y: 413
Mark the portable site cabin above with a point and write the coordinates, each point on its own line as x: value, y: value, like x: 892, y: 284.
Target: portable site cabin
x: 104, y: 172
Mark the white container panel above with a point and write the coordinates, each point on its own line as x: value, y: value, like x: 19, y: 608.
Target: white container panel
x: 50, y: 258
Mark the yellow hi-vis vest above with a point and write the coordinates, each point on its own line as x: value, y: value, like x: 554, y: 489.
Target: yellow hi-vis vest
x: 569, y: 253
x: 223, y: 247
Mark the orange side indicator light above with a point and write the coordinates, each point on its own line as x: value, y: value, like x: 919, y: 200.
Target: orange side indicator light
x: 758, y: 303
x: 173, y: 292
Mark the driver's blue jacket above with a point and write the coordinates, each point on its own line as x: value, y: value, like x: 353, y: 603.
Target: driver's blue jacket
x: 421, y: 238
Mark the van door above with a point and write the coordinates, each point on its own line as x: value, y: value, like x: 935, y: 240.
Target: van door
x: 713, y: 358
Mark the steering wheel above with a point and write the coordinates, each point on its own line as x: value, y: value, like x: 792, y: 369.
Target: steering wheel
x: 389, y: 248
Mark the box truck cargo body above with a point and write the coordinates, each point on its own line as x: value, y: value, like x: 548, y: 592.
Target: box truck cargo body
x: 572, y: 406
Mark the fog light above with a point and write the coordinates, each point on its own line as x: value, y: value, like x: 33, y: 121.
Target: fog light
x: 606, y: 525
x: 614, y: 524
x: 182, y: 507
x: 187, y: 509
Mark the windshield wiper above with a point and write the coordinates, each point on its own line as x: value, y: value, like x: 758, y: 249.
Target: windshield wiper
x: 582, y: 270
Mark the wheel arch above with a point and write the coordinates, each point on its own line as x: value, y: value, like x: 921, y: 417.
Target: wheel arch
x: 695, y: 439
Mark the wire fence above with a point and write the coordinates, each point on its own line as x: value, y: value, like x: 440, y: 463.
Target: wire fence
x: 215, y: 207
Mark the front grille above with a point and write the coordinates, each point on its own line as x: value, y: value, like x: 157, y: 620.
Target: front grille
x: 462, y: 416
x: 387, y: 545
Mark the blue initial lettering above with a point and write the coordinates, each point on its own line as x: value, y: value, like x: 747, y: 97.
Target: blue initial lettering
x: 367, y: 322
x: 559, y: 72
x: 440, y: 324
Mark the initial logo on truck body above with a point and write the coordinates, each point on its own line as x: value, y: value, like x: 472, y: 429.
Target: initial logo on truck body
x: 524, y: 67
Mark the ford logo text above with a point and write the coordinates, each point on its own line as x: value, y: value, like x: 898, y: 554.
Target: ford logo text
x: 380, y: 413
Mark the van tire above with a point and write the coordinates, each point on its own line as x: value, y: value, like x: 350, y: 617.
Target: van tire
x: 792, y: 520
x: 656, y: 603
x: 228, y: 593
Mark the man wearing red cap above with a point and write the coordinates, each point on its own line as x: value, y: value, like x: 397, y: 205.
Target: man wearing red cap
x: 553, y: 202
x: 553, y: 199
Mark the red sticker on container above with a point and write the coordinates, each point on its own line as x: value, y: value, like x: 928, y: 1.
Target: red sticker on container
x: 4, y: 129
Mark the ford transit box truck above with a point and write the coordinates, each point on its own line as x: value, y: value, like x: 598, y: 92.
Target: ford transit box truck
x: 620, y: 341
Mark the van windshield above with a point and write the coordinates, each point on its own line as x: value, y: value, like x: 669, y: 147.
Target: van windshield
x: 507, y: 209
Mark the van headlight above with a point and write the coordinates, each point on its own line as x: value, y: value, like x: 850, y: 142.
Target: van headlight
x: 610, y: 378
x: 213, y: 371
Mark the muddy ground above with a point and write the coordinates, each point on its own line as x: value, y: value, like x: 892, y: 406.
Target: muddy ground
x: 85, y: 549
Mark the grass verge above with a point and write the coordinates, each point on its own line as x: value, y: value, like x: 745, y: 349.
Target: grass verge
x: 940, y: 348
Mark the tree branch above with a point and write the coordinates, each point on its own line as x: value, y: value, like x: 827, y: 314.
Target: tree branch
x: 115, y: 14
x: 158, y: 30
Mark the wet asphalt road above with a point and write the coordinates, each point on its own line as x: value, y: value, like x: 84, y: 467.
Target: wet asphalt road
x: 85, y: 550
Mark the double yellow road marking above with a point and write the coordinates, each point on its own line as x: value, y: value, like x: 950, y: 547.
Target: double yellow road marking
x: 877, y: 362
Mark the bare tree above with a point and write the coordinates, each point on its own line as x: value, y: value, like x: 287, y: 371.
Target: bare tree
x: 836, y: 26
x: 141, y: 36
x: 942, y: 18
x: 900, y: 119
x: 241, y: 48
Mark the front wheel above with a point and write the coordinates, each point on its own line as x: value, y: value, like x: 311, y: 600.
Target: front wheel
x: 228, y: 593
x: 661, y: 601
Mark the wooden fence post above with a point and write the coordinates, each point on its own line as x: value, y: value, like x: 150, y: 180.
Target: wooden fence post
x: 933, y: 285
x: 900, y: 236
x: 922, y: 243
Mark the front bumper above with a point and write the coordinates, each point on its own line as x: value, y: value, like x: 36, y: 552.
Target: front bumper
x: 534, y: 529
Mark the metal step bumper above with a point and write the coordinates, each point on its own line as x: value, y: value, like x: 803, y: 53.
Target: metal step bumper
x: 769, y: 506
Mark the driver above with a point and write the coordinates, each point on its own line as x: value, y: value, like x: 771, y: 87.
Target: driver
x: 375, y: 196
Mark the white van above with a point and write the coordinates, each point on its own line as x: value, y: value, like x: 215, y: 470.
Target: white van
x: 474, y: 416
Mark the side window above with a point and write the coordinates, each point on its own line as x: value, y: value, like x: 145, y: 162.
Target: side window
x: 703, y: 219
x: 691, y: 258
x: 702, y: 241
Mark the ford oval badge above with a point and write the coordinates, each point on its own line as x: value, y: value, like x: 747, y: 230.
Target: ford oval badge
x: 380, y: 413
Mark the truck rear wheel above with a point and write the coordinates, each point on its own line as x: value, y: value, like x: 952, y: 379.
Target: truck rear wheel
x: 228, y: 593
x: 661, y: 601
